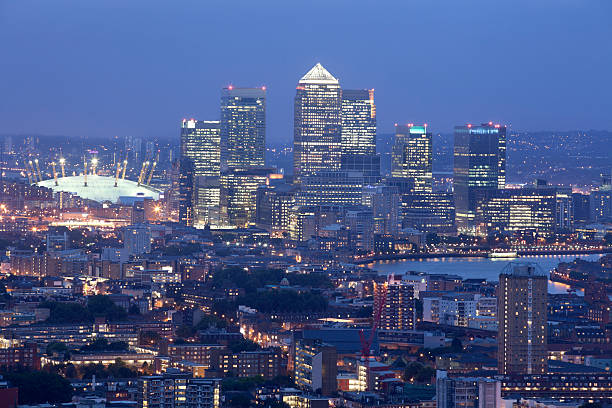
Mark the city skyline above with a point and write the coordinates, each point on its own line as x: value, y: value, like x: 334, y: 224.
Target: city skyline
x: 450, y: 69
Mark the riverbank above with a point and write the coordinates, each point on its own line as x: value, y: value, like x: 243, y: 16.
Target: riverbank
x: 481, y: 254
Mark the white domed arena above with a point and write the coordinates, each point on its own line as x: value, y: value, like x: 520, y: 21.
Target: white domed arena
x: 100, y: 188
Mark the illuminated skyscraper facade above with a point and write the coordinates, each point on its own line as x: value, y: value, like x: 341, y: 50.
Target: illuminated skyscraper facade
x: 201, y: 145
x: 317, y: 142
x: 200, y: 141
x: 358, y: 122
x: 522, y: 324
x: 412, y: 156
x: 479, y: 169
x: 243, y: 127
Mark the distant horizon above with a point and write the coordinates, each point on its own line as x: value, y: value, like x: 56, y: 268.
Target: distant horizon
x: 277, y: 143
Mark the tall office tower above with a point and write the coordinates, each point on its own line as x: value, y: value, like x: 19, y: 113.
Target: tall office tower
x: 243, y: 127
x: 317, y: 138
x: 185, y: 187
x: 358, y: 122
x: 522, y: 324
x: 398, y: 311
x: 411, y: 157
x: 479, y: 169
x: 201, y: 142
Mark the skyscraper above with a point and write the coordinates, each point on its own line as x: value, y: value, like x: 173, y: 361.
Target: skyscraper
x: 243, y: 127
x: 317, y: 141
x: 201, y: 145
x: 358, y: 122
x: 359, y: 134
x: 412, y: 156
x: 479, y: 169
x: 522, y: 325
x: 186, y: 187
x: 200, y: 141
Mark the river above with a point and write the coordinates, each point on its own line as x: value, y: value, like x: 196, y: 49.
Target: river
x: 478, y: 267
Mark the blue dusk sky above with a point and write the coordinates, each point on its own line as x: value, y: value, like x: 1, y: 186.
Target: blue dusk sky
x: 102, y: 68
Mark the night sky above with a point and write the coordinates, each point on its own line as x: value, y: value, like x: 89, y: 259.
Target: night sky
x: 130, y: 67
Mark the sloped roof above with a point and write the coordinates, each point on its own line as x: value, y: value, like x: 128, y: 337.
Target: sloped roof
x: 318, y: 75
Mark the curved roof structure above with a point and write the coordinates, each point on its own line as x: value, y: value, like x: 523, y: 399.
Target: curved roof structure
x: 100, y: 188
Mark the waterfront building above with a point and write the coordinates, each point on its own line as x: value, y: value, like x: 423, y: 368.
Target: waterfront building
x: 429, y: 212
x: 243, y: 127
x: 479, y: 168
x: 522, y: 323
x: 518, y: 210
x: 565, y: 209
x: 317, y: 140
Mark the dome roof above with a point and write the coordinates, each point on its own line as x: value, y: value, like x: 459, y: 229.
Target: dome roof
x: 100, y: 188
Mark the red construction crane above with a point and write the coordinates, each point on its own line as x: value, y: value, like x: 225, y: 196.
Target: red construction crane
x: 366, y: 344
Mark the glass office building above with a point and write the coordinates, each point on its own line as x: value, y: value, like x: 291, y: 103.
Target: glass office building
x: 358, y: 122
x: 412, y: 156
x: 479, y: 168
x: 243, y: 127
x: 200, y: 141
x: 317, y: 142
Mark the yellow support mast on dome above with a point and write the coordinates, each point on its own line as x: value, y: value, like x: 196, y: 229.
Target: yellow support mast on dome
x: 38, y: 170
x: 85, y: 171
x: 54, y: 173
x: 62, y: 162
x: 117, y: 173
x: 124, y: 167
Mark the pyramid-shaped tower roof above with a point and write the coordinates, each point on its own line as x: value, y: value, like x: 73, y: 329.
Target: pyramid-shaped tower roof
x: 318, y: 75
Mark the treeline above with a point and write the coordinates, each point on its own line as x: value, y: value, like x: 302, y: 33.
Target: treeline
x: 74, y: 313
x: 253, y: 280
x: 118, y: 369
x: 38, y: 387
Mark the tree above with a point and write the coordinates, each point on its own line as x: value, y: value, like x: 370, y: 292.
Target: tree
x: 103, y: 306
x: 56, y: 347
x: 37, y: 387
